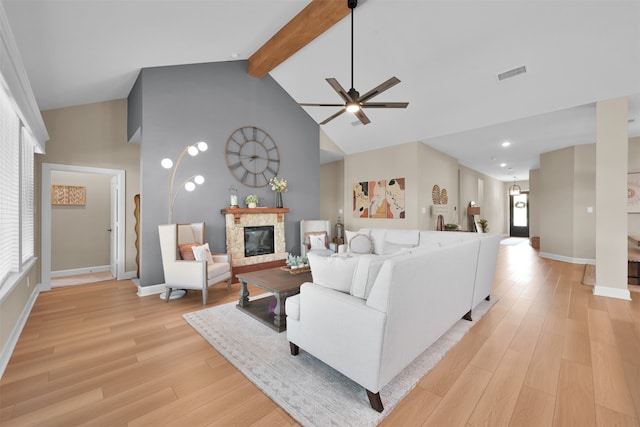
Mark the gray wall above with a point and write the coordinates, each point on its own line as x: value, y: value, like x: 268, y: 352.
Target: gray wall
x: 188, y: 103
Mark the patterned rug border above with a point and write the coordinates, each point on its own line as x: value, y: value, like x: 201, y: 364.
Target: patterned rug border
x: 296, y: 383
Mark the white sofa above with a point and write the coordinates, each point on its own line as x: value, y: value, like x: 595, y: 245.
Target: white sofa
x: 391, y: 241
x: 410, y: 299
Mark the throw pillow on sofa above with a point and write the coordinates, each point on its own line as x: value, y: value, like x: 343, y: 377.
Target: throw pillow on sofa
x: 333, y: 272
x: 203, y: 253
x: 317, y: 240
x: 186, y: 251
x: 361, y: 244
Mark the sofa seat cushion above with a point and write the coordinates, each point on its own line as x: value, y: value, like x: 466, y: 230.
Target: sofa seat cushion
x: 217, y: 268
x: 321, y: 252
x: 333, y: 272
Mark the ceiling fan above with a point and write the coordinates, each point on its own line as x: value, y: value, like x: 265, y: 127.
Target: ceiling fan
x: 353, y: 102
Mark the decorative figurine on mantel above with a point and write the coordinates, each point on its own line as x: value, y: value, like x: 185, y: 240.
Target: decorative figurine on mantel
x: 233, y: 198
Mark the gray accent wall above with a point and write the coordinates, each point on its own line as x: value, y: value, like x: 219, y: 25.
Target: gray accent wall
x: 184, y: 104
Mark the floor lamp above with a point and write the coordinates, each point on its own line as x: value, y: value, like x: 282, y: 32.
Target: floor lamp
x: 188, y: 184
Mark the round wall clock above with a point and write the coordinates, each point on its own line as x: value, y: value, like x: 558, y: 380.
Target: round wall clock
x: 252, y: 156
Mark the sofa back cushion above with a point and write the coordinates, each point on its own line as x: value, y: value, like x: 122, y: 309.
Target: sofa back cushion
x: 365, y: 274
x: 390, y: 241
x: 335, y: 272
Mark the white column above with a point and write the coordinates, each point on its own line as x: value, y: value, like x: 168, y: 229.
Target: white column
x: 612, y: 150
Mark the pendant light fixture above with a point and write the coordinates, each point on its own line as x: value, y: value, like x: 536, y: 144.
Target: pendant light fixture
x: 515, y: 189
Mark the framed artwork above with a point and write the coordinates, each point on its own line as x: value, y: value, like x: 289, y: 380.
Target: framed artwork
x: 68, y: 195
x: 633, y: 193
x: 379, y: 199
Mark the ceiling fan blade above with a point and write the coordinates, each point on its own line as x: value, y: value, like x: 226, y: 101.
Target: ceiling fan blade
x: 385, y: 105
x: 379, y: 89
x: 362, y: 117
x: 338, y: 88
x: 327, y: 120
x: 320, y: 105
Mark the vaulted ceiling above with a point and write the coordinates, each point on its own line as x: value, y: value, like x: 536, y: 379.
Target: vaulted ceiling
x: 447, y: 55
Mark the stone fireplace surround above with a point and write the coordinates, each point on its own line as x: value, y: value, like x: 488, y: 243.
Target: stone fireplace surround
x: 238, y: 218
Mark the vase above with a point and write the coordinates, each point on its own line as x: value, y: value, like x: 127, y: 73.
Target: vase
x: 279, y: 200
x: 252, y: 205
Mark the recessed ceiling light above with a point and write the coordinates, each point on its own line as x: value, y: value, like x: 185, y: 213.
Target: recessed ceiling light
x: 503, y: 165
x: 235, y: 55
x: 506, y: 144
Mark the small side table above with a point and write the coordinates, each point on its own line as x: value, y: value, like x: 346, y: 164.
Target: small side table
x: 337, y: 241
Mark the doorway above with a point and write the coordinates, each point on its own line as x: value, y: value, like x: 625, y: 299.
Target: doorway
x: 519, y: 215
x: 117, y: 204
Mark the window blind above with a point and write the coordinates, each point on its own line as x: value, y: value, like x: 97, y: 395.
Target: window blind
x: 27, y: 200
x: 9, y: 188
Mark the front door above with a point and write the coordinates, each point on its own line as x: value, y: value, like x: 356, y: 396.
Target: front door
x: 519, y: 215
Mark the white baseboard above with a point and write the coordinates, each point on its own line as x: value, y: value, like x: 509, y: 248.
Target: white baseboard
x: 78, y: 271
x: 129, y: 275
x: 144, y: 291
x: 7, y: 351
x: 605, y: 291
x: 568, y: 259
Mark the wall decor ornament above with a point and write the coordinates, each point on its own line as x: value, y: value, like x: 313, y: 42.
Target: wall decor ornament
x: 633, y: 193
x: 73, y: 195
x: 379, y: 199
x: 439, y: 196
x: 252, y: 156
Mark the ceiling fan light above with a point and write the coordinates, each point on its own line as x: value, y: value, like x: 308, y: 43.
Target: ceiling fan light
x: 353, y: 107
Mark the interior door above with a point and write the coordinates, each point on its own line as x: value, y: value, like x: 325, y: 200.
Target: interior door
x: 519, y: 215
x: 113, y: 227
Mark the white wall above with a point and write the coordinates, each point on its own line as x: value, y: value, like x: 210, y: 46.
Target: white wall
x: 79, y: 234
x: 386, y: 163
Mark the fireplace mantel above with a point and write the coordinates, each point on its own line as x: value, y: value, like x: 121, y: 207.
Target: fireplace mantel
x: 238, y: 218
x: 237, y: 212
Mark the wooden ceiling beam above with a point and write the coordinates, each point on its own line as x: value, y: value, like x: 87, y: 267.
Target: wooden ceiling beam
x: 313, y: 20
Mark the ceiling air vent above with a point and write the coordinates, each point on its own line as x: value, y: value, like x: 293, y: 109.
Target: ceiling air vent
x: 512, y: 73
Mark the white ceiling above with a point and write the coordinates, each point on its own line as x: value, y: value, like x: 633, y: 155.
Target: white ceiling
x: 446, y: 54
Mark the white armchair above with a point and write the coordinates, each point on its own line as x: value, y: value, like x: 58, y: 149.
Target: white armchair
x: 312, y: 233
x: 190, y: 274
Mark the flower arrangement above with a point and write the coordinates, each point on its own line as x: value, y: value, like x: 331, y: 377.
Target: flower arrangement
x: 278, y: 184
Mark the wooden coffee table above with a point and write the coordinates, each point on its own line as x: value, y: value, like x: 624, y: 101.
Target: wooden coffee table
x: 281, y: 284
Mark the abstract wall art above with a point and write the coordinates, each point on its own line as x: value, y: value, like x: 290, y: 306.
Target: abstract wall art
x: 379, y: 199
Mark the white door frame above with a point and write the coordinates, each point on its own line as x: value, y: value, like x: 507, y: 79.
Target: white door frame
x: 47, y: 169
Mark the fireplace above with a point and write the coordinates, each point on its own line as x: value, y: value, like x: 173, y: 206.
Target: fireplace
x: 239, y: 219
x: 258, y: 240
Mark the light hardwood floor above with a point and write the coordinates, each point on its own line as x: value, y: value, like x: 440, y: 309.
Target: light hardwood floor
x: 549, y: 353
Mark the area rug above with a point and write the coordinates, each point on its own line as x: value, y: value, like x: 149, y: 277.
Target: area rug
x: 511, y: 241
x: 313, y: 393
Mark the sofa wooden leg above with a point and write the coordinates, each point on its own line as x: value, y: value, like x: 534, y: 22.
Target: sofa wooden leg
x: 488, y: 298
x: 467, y: 316
x: 375, y: 401
x: 295, y: 350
